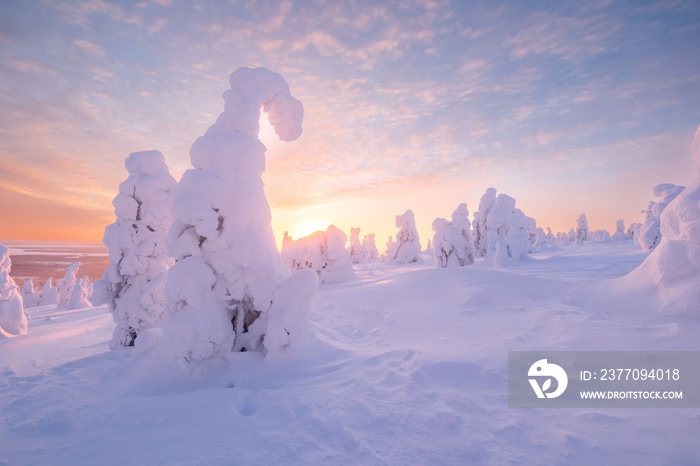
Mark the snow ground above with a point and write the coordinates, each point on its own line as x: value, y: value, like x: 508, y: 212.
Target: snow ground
x: 408, y: 365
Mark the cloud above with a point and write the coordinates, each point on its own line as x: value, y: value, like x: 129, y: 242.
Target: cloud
x: 89, y: 47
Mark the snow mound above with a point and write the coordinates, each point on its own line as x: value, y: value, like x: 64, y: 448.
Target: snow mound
x: 672, y: 267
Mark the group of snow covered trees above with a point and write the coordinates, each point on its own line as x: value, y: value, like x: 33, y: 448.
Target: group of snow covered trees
x: 198, y: 256
x: 70, y: 293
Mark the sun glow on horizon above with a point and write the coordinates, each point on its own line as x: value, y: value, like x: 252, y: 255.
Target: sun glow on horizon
x: 305, y: 228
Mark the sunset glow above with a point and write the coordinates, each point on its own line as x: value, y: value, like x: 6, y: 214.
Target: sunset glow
x: 568, y: 107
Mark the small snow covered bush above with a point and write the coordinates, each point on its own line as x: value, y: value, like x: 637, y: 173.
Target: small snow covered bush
x: 600, y: 236
x: 649, y: 235
x: 323, y: 252
x: 488, y: 200
x: 48, y: 294
x: 80, y: 295
x: 620, y: 233
x: 29, y: 294
x: 133, y: 285
x: 452, y: 242
x: 229, y: 289
x: 12, y: 317
x: 407, y: 246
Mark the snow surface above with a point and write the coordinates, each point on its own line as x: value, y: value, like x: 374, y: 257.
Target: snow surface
x: 404, y: 364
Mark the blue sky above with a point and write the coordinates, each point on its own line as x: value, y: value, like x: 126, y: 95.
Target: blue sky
x: 569, y: 107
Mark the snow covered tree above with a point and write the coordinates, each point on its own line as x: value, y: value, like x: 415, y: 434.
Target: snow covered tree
x: 133, y: 286
x: 323, y: 252
x: 452, y: 242
x: 507, y: 235
x: 80, y: 295
x: 229, y: 289
x: 391, y: 248
x: 356, y: 252
x: 13, y: 321
x: 620, y: 234
x: 369, y: 248
x: 64, y: 287
x: 650, y: 231
x: 488, y: 200
x: 600, y: 236
x: 673, y: 266
x: 582, y: 229
x: 29, y: 293
x: 407, y: 241
x: 429, y: 248
x: 48, y: 293
x: 544, y: 241
x: 633, y: 232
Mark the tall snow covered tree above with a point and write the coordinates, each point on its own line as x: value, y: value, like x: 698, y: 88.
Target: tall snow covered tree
x: 65, y: 285
x: 407, y: 247
x: 356, y: 246
x: 488, y: 200
x: 582, y: 228
x: 133, y: 285
x: 369, y: 248
x: 12, y: 318
x: 229, y: 289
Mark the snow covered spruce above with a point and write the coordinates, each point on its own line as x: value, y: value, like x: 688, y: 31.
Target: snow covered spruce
x: 406, y: 248
x: 13, y: 321
x: 452, y: 244
x: 323, y: 252
x: 673, y: 267
x: 229, y: 289
x: 133, y: 285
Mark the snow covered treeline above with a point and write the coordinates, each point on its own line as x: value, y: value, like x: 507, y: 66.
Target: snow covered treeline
x: 453, y: 245
x: 323, y: 252
x: 133, y: 285
x: 229, y: 289
x: 70, y: 292
x: 13, y: 321
x: 650, y: 232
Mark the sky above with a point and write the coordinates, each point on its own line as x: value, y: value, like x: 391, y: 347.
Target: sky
x: 569, y: 107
